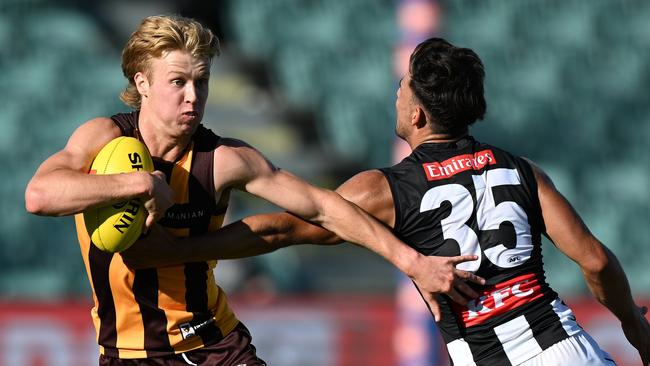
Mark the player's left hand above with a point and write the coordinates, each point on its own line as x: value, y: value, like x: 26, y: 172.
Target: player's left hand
x: 637, y: 332
x: 439, y: 275
x: 159, y: 198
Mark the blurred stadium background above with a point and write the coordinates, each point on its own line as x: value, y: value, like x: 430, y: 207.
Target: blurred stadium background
x: 312, y: 84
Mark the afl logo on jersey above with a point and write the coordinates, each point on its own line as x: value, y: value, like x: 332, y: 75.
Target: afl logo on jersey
x: 457, y: 164
x: 514, y: 259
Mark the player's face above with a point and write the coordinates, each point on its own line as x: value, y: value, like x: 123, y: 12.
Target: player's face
x: 404, y: 107
x: 177, y: 91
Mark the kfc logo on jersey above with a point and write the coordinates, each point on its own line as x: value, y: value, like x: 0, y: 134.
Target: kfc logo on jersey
x: 457, y: 164
x: 499, y: 299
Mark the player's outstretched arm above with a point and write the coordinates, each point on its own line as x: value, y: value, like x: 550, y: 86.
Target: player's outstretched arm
x: 600, y: 267
x: 263, y: 233
x: 254, y: 235
x: 347, y: 220
x: 61, y: 185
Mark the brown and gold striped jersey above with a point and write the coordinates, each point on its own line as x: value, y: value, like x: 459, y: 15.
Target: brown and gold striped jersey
x: 167, y: 310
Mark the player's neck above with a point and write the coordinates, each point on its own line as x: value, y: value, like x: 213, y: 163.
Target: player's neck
x: 435, y: 138
x: 161, y: 145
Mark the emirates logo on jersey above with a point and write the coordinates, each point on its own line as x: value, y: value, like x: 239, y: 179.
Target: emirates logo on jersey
x: 499, y: 299
x: 457, y: 164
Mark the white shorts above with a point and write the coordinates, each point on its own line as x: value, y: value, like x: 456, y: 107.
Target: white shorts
x: 577, y: 350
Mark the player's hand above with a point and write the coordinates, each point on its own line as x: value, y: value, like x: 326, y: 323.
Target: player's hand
x: 637, y: 332
x: 154, y: 249
x: 439, y: 275
x: 159, y: 198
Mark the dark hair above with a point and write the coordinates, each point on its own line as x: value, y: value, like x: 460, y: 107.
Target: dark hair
x: 448, y: 81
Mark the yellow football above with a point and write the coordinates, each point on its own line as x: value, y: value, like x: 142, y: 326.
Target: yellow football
x: 116, y: 227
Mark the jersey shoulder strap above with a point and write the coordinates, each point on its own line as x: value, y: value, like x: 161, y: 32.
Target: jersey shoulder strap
x: 128, y: 123
x: 400, y: 177
x: 205, y: 142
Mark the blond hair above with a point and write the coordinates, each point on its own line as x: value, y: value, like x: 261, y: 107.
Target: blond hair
x: 157, y: 35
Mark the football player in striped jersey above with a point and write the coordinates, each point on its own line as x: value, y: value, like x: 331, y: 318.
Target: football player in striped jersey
x: 178, y: 314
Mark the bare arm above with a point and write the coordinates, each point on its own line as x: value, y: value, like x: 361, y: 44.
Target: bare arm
x: 264, y: 233
x: 247, y: 169
x: 61, y: 185
x: 254, y: 235
x: 600, y: 268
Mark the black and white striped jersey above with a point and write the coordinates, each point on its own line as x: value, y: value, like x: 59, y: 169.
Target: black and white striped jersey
x: 467, y: 197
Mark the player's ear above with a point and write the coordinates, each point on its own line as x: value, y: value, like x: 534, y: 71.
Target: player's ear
x: 418, y: 117
x: 141, y: 83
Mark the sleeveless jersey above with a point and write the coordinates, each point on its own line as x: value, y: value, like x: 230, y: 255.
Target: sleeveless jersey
x: 162, y: 311
x: 467, y: 197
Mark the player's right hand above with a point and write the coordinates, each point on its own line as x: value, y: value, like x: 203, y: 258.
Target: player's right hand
x: 159, y: 198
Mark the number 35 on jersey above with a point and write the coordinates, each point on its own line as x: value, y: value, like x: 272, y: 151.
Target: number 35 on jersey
x: 490, y: 215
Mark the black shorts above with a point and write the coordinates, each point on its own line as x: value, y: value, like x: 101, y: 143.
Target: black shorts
x: 233, y: 350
